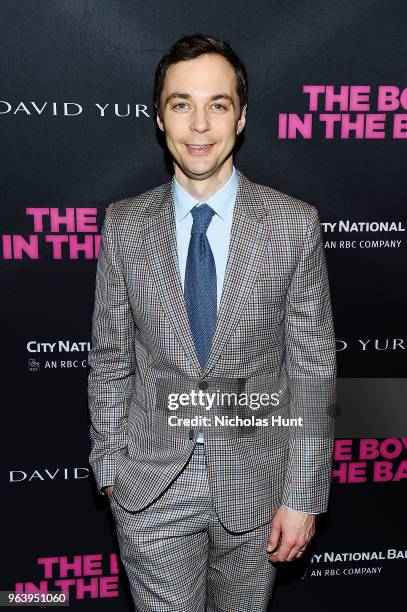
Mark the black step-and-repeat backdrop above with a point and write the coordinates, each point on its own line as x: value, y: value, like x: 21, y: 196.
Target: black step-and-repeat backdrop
x: 327, y: 123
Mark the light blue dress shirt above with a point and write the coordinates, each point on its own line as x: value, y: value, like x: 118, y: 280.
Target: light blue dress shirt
x: 218, y: 233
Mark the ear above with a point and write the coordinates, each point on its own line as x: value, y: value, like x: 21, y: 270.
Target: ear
x: 242, y: 120
x: 159, y: 122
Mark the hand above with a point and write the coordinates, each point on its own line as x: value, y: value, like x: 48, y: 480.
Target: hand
x: 109, y: 490
x: 290, y: 534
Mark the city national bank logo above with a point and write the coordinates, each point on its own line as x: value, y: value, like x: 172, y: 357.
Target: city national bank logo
x: 92, y: 576
x: 34, y: 365
x: 355, y: 563
x: 55, y: 348
x: 379, y: 234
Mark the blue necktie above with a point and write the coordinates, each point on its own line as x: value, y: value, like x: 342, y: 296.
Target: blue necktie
x: 200, y: 283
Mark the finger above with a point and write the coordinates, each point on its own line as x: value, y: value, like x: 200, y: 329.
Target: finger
x: 299, y: 548
x: 283, y: 551
x: 274, y: 539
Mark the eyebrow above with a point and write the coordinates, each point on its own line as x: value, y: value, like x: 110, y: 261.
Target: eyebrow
x: 186, y: 96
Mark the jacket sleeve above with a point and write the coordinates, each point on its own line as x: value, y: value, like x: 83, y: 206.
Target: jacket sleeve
x: 111, y: 360
x: 311, y: 368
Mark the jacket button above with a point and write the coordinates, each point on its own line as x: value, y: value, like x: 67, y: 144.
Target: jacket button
x: 203, y: 384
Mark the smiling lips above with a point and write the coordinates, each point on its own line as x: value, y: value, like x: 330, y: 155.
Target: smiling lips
x: 199, y: 150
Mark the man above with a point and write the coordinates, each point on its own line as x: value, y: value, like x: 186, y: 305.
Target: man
x: 209, y: 282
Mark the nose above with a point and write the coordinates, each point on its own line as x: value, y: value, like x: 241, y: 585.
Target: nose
x: 200, y: 121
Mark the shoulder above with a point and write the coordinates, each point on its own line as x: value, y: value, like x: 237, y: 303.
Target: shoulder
x: 135, y: 209
x: 285, y: 212
x: 276, y: 201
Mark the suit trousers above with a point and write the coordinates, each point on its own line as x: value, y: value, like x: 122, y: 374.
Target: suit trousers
x: 178, y: 557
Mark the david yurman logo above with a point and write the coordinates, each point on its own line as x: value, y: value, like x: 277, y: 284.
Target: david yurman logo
x: 30, y: 108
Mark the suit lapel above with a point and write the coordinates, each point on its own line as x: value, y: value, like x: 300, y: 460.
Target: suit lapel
x: 160, y: 246
x: 247, y: 249
x: 246, y: 253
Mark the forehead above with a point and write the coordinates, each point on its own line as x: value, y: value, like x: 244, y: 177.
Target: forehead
x: 204, y: 75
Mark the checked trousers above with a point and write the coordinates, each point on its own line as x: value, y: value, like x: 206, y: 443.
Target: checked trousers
x: 179, y: 558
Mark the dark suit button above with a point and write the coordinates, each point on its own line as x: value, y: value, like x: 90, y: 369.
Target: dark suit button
x: 203, y: 384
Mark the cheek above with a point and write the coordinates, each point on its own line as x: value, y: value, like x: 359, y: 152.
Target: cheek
x: 174, y: 129
x: 229, y: 132
x: 174, y: 143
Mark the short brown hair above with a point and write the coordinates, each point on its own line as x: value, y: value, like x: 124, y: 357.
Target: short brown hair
x: 194, y: 45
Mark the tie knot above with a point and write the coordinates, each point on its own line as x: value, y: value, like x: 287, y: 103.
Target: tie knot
x: 202, y: 216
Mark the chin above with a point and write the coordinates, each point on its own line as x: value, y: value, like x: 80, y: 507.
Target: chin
x: 201, y: 174
x: 198, y: 170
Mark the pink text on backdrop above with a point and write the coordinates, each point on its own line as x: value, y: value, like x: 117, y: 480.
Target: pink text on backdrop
x: 373, y: 117
x: 68, y: 234
x: 80, y: 577
x: 370, y: 460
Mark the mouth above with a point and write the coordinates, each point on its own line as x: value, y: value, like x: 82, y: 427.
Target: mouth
x: 199, y: 150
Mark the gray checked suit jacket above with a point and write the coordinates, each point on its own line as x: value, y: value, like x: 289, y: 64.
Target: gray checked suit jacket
x: 274, y: 332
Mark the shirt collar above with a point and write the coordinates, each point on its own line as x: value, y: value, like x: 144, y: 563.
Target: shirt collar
x: 221, y: 202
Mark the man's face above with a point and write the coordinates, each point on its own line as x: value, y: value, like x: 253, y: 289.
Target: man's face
x: 200, y: 114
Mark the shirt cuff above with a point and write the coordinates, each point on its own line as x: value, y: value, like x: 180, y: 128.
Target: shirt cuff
x: 300, y: 510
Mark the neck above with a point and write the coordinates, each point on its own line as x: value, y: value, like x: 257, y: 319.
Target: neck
x: 202, y: 190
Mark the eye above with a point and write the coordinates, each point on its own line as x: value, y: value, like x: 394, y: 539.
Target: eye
x: 180, y: 104
x: 220, y: 106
